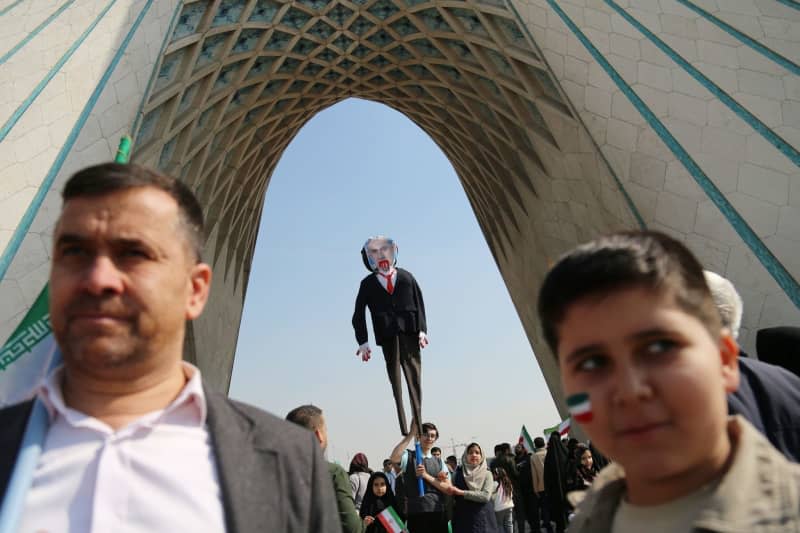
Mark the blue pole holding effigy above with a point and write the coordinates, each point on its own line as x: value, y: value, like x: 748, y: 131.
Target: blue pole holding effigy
x: 420, y: 482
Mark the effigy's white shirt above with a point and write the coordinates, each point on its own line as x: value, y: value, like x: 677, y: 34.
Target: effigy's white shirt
x: 156, y: 474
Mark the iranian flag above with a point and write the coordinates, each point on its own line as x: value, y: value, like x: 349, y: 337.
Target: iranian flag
x: 390, y: 520
x: 526, y: 440
x: 580, y: 407
x: 562, y: 428
x: 28, y: 354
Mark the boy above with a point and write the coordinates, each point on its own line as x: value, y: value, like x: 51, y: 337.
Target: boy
x: 646, y: 365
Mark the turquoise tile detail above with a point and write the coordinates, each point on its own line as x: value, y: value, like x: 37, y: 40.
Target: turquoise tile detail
x: 147, y: 129
x: 470, y: 21
x: 211, y: 50
x: 278, y: 41
x: 261, y: 66
x: 167, y: 152
x: 227, y: 75
x: 361, y: 26
x: 404, y: 27
x: 294, y: 18
x: 247, y: 40
x: 426, y: 48
x: 316, y: 5
x: 381, y: 38
x: 229, y: 12
x: 188, y: 20
x: 340, y: 14
x: 383, y: 9
x: 168, y: 71
x: 433, y: 20
x: 264, y: 11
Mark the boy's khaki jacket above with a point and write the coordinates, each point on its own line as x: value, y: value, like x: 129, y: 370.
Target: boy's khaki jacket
x: 760, y: 492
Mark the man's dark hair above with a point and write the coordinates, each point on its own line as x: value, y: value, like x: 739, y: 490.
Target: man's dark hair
x: 427, y: 426
x: 451, y: 459
x: 436, y: 449
x: 107, y: 178
x: 309, y: 416
x: 647, y: 259
x: 538, y: 442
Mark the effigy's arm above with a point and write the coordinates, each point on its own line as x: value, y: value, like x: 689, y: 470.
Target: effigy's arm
x: 359, y: 320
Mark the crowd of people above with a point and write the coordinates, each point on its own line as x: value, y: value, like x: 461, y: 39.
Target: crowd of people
x: 505, y: 493
x: 693, y: 435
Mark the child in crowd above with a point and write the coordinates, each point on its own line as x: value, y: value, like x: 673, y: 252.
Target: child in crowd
x: 377, y: 498
x: 503, y: 500
x: 645, y: 366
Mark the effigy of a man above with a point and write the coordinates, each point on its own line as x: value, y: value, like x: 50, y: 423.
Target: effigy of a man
x: 398, y: 322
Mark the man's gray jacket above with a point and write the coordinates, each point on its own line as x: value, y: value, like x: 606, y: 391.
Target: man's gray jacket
x: 271, y: 473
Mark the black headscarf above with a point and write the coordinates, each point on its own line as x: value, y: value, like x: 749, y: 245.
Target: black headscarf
x: 371, y: 505
x: 555, y: 464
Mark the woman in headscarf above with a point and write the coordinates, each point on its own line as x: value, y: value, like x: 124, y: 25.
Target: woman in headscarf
x: 359, y: 476
x: 555, y: 463
x: 377, y: 498
x: 472, y: 488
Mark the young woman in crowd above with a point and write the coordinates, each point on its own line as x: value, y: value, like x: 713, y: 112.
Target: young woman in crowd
x: 359, y: 476
x: 472, y: 488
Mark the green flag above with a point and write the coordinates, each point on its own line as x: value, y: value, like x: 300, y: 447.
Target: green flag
x: 27, y: 354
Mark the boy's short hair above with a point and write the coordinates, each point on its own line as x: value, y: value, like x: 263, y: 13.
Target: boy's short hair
x: 427, y: 426
x: 623, y: 260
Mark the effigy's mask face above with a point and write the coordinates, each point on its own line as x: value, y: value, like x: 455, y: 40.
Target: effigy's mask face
x: 382, y: 254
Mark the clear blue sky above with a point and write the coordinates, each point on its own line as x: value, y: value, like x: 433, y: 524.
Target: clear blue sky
x: 355, y: 170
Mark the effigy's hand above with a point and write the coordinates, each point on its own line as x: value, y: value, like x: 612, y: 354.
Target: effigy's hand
x: 364, y: 352
x: 423, y: 339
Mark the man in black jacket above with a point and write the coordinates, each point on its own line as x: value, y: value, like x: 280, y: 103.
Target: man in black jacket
x: 398, y: 321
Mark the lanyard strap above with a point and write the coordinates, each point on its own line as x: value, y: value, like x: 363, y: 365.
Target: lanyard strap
x: 24, y: 468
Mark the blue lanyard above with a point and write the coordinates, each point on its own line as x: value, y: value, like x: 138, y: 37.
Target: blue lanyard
x: 24, y: 468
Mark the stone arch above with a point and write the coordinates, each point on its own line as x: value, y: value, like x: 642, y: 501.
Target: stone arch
x: 237, y: 79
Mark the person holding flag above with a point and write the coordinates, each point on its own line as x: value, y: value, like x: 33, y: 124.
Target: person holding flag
x: 379, y: 507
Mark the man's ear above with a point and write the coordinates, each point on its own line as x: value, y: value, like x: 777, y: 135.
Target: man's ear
x: 318, y: 434
x: 199, y: 287
x: 729, y: 355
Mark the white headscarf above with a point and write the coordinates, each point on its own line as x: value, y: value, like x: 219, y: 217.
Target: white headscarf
x: 474, y: 475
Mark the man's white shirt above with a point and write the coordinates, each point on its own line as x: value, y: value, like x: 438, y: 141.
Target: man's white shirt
x: 156, y: 474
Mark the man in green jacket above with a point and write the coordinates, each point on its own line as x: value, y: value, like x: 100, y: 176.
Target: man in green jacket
x: 310, y: 417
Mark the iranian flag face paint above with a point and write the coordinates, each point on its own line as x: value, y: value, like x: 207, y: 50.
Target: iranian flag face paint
x: 580, y: 408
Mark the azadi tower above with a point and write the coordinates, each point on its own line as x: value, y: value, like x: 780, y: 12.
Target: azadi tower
x: 562, y: 118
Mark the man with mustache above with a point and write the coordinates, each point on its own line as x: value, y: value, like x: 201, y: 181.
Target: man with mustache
x: 135, y: 441
x: 398, y: 321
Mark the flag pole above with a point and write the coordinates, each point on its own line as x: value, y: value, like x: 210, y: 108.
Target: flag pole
x: 36, y: 429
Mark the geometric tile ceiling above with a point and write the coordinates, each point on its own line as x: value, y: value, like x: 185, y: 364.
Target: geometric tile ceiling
x: 237, y: 81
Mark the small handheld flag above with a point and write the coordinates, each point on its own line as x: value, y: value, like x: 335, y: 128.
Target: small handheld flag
x: 390, y: 520
x: 580, y: 407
